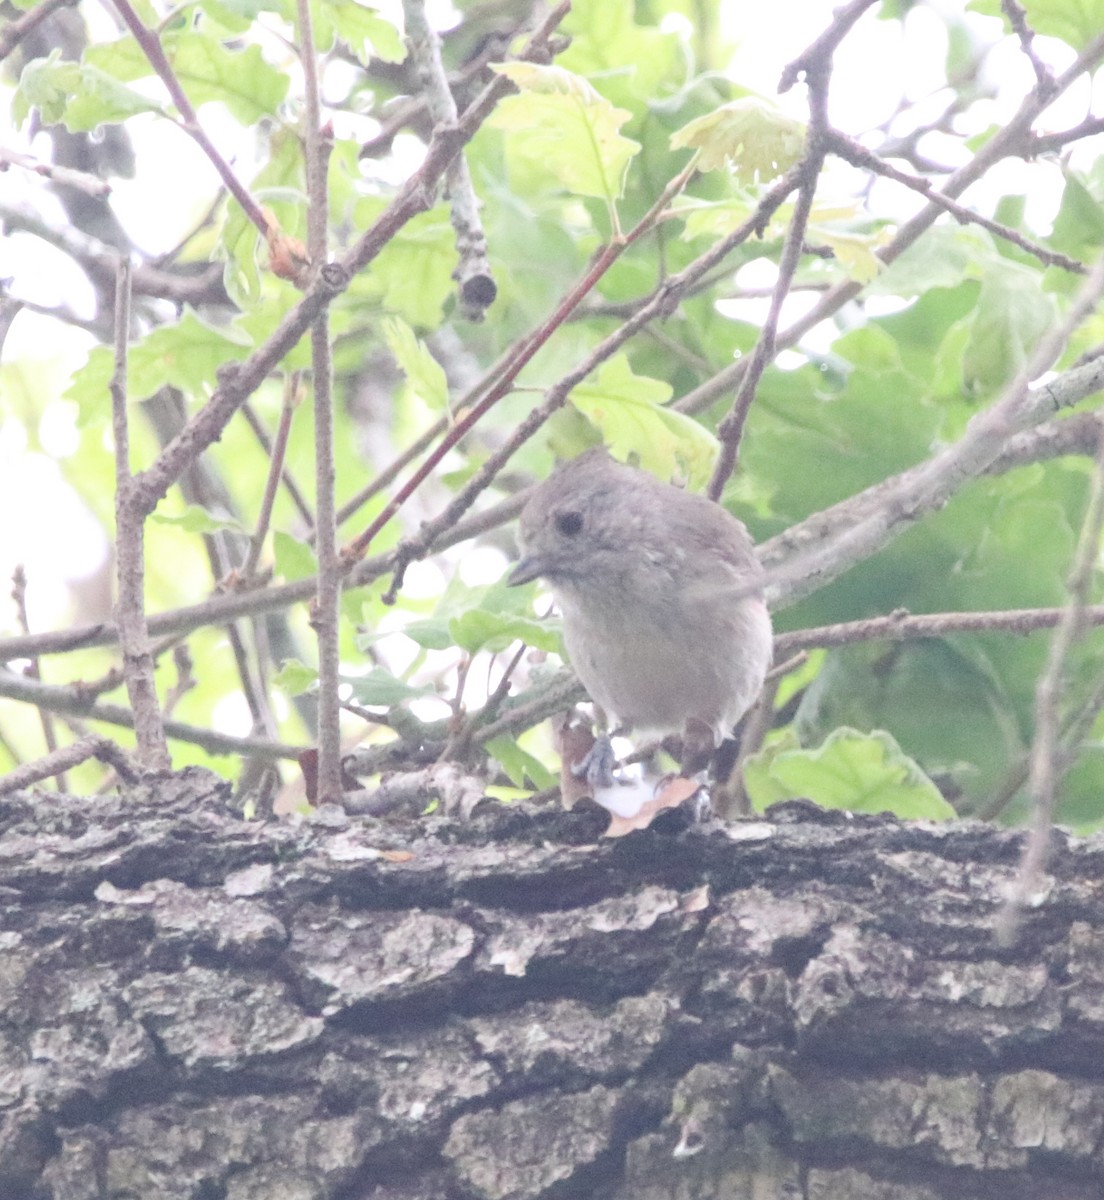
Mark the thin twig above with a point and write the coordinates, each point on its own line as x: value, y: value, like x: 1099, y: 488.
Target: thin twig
x: 903, y: 626
x: 277, y: 454
x: 858, y: 155
x: 294, y: 491
x: 238, y: 381
x: 1045, y: 770
x: 185, y: 679
x: 730, y: 432
x: 57, y: 762
x: 72, y: 702
x: 151, y: 47
x: 81, y: 181
x: 15, y: 31
x: 33, y: 670
x: 473, y: 272
x: 1017, y: 18
x: 130, y: 564
x: 662, y: 302
x: 1015, y: 137
x: 812, y: 59
x: 325, y: 607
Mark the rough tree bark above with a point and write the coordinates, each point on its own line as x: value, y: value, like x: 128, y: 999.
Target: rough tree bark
x: 196, y: 1006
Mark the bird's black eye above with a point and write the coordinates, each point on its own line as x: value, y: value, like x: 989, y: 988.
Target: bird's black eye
x: 569, y: 523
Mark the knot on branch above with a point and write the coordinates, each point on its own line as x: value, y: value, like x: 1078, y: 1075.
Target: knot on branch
x: 333, y: 278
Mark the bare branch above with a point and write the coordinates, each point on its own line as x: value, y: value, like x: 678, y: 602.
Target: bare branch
x: 130, y: 565
x: 473, y: 273
x: 239, y: 381
x: 858, y: 155
x: 15, y: 31
x: 91, y: 185
x: 151, y: 47
x: 1017, y: 18
x: 1045, y: 768
x: 836, y: 539
x: 277, y: 452
x: 903, y: 626
x: 324, y: 609
x: 1013, y: 138
x: 57, y: 762
x: 98, y: 259
x: 814, y: 57
x: 73, y: 702
x: 19, y: 596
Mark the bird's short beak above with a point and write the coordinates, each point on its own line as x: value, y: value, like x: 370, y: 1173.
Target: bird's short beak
x: 528, y: 569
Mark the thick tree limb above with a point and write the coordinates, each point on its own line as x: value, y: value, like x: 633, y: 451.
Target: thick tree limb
x: 510, y: 1007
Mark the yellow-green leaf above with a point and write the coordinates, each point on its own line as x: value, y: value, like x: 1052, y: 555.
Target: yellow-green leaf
x: 562, y: 122
x: 757, y: 140
x: 294, y: 677
x: 859, y: 772
x: 424, y: 375
x: 628, y: 409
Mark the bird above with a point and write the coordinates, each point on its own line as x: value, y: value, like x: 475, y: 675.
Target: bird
x: 661, y: 593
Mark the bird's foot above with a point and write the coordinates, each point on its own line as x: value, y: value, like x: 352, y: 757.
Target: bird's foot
x: 596, y: 767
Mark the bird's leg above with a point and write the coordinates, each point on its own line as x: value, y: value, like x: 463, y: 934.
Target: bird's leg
x: 697, y: 747
x: 597, y: 764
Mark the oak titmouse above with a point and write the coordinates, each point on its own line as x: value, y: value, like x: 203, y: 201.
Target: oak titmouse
x: 661, y: 595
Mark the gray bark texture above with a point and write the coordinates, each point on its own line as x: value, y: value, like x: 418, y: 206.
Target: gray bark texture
x: 511, y: 1007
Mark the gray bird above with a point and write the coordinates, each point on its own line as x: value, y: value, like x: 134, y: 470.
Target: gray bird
x: 661, y: 595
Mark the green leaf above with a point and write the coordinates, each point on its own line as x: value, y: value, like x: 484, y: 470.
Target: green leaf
x: 81, y: 96
x: 1012, y: 314
x: 628, y: 410
x: 432, y: 633
x: 197, y: 520
x: 1076, y: 22
x: 102, y: 100
x: 45, y: 84
x: 944, y: 257
x: 713, y: 219
x: 425, y: 376
x: 294, y: 677
x: 629, y: 62
x: 362, y: 28
x: 249, y: 86
x: 519, y: 764
x: 412, y: 274
x: 379, y: 688
x: 480, y: 629
x: 1079, y: 225
x: 89, y: 386
x: 757, y: 140
x: 565, y: 124
x: 855, y: 252
x: 122, y: 59
x: 185, y: 355
x: 294, y: 559
x: 853, y: 771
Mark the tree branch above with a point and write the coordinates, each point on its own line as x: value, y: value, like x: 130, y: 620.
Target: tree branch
x: 71, y: 701
x: 130, y: 559
x: 324, y: 608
